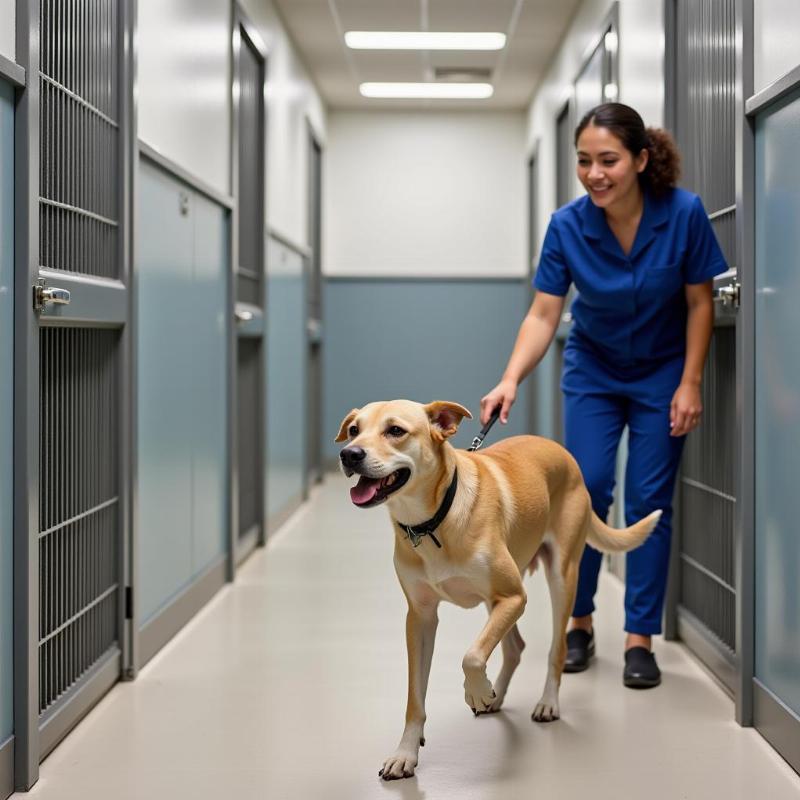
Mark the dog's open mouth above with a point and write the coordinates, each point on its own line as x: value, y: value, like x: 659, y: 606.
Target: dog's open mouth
x: 371, y: 491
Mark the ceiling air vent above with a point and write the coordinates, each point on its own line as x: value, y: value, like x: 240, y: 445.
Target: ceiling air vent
x: 462, y: 74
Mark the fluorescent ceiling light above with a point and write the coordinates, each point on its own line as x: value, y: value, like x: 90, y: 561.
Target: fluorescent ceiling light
x: 439, y: 91
x: 423, y: 40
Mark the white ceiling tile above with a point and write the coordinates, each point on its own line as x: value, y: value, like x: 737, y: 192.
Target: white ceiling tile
x: 538, y: 28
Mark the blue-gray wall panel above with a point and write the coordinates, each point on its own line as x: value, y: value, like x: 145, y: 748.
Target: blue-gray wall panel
x: 421, y: 340
x: 164, y: 262
x: 286, y: 377
x: 6, y: 407
x: 777, y: 544
x: 182, y: 266
x: 209, y: 378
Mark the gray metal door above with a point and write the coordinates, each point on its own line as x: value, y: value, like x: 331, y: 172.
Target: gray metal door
x: 70, y: 369
x: 314, y: 431
x: 250, y: 69
x: 701, y: 97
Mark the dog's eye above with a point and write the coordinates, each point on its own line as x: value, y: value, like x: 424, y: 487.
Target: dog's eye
x: 352, y: 430
x: 395, y: 430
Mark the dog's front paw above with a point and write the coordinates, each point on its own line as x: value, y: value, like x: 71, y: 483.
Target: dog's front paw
x: 479, y: 694
x: 545, y: 711
x: 399, y: 765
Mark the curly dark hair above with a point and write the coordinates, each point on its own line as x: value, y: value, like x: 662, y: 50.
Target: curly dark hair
x: 664, y: 162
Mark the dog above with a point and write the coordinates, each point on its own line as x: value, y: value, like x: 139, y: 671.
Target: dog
x: 467, y: 526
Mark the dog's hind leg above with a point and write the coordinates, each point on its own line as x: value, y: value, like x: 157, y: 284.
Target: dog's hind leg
x: 561, y: 581
x: 513, y: 644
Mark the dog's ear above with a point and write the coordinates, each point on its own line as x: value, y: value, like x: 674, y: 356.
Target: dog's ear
x: 343, y: 436
x: 445, y: 418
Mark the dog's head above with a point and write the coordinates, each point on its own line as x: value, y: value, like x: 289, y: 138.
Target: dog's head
x: 393, y: 445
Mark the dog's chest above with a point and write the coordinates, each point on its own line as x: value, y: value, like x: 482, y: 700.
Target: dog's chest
x: 459, y: 584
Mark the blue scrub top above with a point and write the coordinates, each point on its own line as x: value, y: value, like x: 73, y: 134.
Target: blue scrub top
x: 631, y: 310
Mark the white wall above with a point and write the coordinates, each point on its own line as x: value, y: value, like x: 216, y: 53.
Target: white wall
x: 183, y: 84
x: 641, y: 81
x: 185, y: 108
x: 8, y: 45
x: 776, y: 37
x: 425, y: 194
x: 293, y: 103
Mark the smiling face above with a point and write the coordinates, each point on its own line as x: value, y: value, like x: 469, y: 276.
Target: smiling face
x: 607, y: 169
x: 392, y: 445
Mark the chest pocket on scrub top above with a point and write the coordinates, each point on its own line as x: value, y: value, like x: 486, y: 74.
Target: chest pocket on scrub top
x: 662, y: 281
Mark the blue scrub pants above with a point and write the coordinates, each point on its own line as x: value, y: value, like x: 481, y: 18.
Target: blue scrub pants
x: 599, y: 401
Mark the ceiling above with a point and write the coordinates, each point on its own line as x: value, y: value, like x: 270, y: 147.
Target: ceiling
x: 534, y: 29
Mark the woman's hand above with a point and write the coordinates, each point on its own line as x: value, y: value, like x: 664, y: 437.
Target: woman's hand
x: 504, y: 395
x: 686, y: 409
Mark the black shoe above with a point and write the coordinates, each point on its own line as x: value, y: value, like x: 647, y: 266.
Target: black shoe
x: 580, y: 648
x: 641, y: 670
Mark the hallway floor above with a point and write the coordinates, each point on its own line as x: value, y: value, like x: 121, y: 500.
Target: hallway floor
x: 291, y: 685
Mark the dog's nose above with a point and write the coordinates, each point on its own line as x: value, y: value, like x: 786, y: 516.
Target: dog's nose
x: 352, y: 456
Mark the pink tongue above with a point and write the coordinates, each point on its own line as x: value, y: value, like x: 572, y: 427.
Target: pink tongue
x: 364, y: 490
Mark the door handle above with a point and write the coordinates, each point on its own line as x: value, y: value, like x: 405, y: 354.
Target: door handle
x: 727, y: 295
x: 314, y: 330
x: 44, y: 295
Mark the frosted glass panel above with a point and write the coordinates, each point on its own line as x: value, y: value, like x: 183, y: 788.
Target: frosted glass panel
x: 778, y: 401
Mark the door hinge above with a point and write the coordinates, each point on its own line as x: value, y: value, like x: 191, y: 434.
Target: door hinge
x: 129, y: 602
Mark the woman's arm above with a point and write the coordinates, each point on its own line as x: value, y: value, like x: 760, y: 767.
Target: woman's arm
x: 687, y: 405
x: 534, y: 337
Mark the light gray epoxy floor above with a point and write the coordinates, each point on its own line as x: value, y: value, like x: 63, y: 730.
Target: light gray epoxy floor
x: 291, y: 684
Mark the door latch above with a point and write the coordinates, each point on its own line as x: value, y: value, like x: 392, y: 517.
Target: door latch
x: 44, y: 295
x: 728, y: 295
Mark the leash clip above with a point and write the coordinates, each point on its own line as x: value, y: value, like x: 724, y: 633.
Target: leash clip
x: 478, y: 440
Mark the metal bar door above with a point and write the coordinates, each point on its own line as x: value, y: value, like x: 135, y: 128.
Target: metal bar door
x: 70, y: 366
x: 701, y: 98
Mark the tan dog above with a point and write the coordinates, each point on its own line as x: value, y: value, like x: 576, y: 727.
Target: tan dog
x: 520, y: 500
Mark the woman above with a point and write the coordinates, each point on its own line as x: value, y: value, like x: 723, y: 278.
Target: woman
x: 641, y: 254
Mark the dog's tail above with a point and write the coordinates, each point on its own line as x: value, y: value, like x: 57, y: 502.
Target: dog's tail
x: 613, y: 540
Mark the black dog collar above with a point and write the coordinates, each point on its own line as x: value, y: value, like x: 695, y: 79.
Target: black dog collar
x: 416, y: 532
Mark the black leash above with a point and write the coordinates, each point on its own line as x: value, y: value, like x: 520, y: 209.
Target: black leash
x: 416, y: 532
x: 478, y: 440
